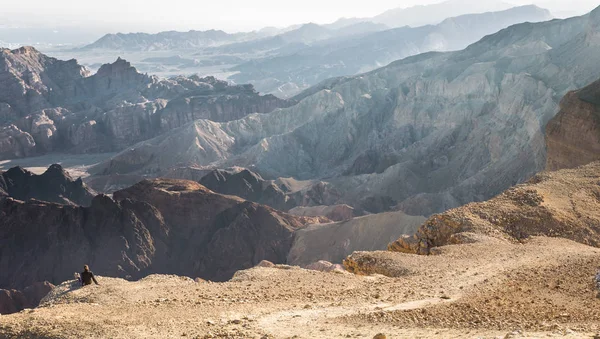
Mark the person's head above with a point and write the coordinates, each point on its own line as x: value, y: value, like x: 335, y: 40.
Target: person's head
x: 86, y: 268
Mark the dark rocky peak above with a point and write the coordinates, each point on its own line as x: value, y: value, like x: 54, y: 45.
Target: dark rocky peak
x: 121, y: 69
x: 117, y: 78
x: 57, y: 172
x: 245, y: 183
x: 54, y: 185
x: 119, y: 66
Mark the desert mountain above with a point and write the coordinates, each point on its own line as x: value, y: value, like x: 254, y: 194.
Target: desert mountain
x: 327, y: 59
x: 164, y: 226
x: 54, y: 185
x: 427, y: 133
x: 169, y: 40
x: 222, y: 41
x: 52, y: 105
x: 435, y: 13
x: 573, y: 135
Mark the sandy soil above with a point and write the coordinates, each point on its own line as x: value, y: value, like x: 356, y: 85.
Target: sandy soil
x: 492, y: 289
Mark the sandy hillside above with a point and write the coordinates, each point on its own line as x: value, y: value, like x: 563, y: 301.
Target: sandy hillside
x: 484, y: 290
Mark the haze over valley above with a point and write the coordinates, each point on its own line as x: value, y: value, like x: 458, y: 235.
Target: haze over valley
x: 360, y: 170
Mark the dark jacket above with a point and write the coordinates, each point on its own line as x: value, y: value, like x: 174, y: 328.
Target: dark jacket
x: 87, y: 277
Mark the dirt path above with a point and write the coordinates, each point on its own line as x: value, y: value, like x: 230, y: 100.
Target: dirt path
x: 311, y: 323
x: 488, y: 290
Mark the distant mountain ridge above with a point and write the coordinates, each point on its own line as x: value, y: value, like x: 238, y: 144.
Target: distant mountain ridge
x: 169, y: 40
x: 425, y: 133
x: 434, y: 13
x: 331, y: 58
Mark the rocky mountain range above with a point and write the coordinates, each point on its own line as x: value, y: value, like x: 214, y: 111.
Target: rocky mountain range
x: 432, y: 14
x: 169, y: 40
x: 52, y: 105
x: 366, y: 52
x: 424, y: 134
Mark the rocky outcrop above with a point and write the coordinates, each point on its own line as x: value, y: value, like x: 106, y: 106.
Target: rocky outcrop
x: 166, y: 226
x: 15, y: 142
x: 326, y: 266
x: 573, y: 135
x: 12, y: 301
x: 54, y: 185
x: 51, y: 105
x: 554, y: 204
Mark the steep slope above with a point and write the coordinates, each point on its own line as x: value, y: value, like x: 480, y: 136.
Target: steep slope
x: 166, y: 226
x: 335, y: 241
x: 427, y: 133
x: 556, y: 204
x: 55, y: 185
x: 52, y: 105
x: 369, y: 51
x: 573, y: 135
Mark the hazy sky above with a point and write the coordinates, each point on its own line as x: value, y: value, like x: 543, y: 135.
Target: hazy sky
x: 229, y: 15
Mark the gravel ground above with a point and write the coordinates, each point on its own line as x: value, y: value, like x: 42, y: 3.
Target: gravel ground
x: 543, y: 288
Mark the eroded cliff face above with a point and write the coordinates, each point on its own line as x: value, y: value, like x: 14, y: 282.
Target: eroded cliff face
x: 573, y: 135
x: 52, y: 105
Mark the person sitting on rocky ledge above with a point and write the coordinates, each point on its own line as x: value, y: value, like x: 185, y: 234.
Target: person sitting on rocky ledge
x: 87, y: 276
